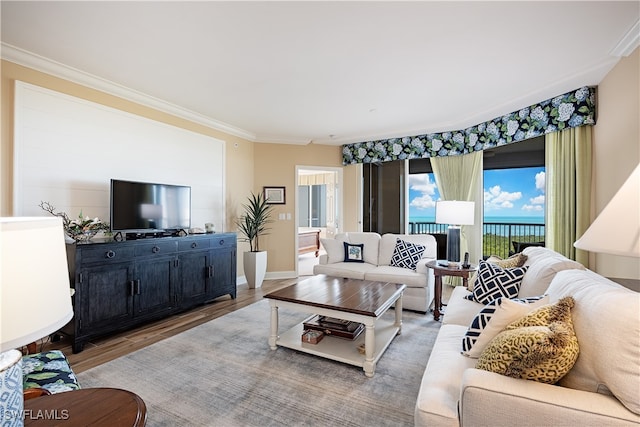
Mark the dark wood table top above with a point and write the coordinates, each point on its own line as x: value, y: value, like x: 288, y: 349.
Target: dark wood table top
x: 451, y: 269
x: 96, y: 407
x: 364, y: 297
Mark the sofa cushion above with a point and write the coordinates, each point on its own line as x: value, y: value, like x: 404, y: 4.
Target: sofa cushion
x: 353, y: 252
x: 406, y: 254
x: 492, y: 320
x: 334, y: 249
x: 495, y: 281
x: 437, y: 402
x: 543, y: 265
x: 388, y: 246
x: 349, y: 270
x: 370, y: 242
x: 460, y: 310
x: 607, y: 324
x: 404, y: 276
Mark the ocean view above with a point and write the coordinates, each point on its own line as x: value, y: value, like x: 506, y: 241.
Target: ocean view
x: 538, y: 220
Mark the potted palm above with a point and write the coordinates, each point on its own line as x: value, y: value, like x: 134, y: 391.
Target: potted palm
x: 253, y: 224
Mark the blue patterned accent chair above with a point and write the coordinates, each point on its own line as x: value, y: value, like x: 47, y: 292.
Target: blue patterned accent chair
x: 48, y: 370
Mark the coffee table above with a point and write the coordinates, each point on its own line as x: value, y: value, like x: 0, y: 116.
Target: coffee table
x: 362, y: 301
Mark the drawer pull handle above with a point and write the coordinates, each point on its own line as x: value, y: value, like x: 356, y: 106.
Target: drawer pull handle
x: 155, y: 249
x: 110, y: 254
x: 194, y: 245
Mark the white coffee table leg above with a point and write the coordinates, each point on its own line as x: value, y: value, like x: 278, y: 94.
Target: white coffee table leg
x: 369, y: 348
x: 273, y: 337
x: 398, y: 310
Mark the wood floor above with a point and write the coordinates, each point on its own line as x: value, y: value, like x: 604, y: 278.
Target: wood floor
x: 99, y: 351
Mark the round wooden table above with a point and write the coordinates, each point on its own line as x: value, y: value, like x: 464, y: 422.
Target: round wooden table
x: 440, y: 269
x: 96, y: 407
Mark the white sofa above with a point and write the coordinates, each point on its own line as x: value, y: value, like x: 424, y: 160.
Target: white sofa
x: 377, y: 253
x: 602, y: 388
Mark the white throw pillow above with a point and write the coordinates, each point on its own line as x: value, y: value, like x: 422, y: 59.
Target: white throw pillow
x: 492, y: 320
x: 335, y: 250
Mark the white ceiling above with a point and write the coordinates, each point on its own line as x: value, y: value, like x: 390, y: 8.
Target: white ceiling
x: 326, y: 72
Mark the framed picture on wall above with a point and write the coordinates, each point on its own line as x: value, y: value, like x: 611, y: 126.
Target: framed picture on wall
x: 274, y: 195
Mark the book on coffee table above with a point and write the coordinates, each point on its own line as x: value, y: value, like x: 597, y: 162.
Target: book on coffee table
x: 336, y: 327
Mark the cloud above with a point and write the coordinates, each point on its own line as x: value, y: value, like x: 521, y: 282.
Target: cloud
x: 423, y: 184
x: 533, y: 208
x: 540, y: 181
x: 538, y: 200
x: 495, y: 198
x: 423, y: 202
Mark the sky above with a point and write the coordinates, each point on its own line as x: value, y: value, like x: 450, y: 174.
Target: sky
x: 507, y: 193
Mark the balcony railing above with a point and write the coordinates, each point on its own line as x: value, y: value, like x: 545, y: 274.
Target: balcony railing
x: 498, y: 237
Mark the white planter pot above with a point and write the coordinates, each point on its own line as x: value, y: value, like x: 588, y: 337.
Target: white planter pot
x: 255, y: 267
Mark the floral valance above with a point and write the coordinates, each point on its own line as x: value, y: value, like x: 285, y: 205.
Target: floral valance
x: 573, y: 109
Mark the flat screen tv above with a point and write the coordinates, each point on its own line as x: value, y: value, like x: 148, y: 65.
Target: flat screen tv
x: 146, y: 206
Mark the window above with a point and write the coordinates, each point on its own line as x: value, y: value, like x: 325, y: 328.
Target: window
x: 514, y: 196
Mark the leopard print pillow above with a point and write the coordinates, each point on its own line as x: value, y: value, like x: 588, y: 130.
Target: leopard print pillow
x: 547, y: 314
x: 541, y: 347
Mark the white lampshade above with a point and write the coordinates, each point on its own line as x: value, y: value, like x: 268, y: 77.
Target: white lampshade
x: 455, y: 212
x: 35, y: 299
x: 617, y: 229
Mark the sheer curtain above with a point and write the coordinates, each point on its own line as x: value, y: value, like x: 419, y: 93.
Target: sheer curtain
x: 460, y: 178
x: 568, y: 192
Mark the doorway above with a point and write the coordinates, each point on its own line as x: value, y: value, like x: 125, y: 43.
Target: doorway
x: 318, y: 212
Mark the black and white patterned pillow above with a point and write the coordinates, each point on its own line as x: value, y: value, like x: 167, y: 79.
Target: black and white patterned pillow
x: 481, y: 323
x: 495, y: 282
x: 406, y: 254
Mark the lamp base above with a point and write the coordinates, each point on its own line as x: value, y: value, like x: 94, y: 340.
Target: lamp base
x: 453, y: 244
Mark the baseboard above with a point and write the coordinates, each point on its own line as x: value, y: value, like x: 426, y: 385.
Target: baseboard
x: 271, y: 275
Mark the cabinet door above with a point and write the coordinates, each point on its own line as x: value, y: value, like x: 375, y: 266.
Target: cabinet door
x: 224, y: 269
x: 153, y: 285
x: 193, y: 278
x: 103, y: 297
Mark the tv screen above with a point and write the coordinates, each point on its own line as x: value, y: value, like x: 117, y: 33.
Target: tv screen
x: 144, y: 206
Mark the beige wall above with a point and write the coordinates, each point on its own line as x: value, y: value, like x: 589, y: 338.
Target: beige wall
x: 276, y: 164
x: 617, y: 150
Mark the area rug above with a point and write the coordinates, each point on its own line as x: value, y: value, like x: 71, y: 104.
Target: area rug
x: 223, y: 373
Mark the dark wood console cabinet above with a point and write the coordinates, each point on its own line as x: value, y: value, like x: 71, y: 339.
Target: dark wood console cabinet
x: 121, y: 284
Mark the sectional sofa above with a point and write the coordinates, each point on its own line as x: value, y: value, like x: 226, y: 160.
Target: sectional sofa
x: 601, y: 388
x: 379, y: 261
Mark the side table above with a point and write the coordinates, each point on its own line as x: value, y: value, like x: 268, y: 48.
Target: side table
x: 440, y: 271
x: 96, y: 407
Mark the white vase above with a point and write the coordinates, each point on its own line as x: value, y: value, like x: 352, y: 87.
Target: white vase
x: 255, y: 267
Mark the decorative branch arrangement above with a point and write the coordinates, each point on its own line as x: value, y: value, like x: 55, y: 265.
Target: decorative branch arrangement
x: 79, y: 229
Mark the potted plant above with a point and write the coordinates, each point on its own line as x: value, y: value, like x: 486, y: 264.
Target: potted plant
x: 253, y: 224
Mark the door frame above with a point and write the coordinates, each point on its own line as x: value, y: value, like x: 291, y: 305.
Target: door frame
x: 339, y: 201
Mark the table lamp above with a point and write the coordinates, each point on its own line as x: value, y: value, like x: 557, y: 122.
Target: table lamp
x: 455, y: 213
x: 34, y: 287
x: 616, y: 230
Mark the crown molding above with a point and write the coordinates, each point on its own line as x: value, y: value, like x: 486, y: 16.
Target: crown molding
x: 56, y: 69
x: 629, y: 42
